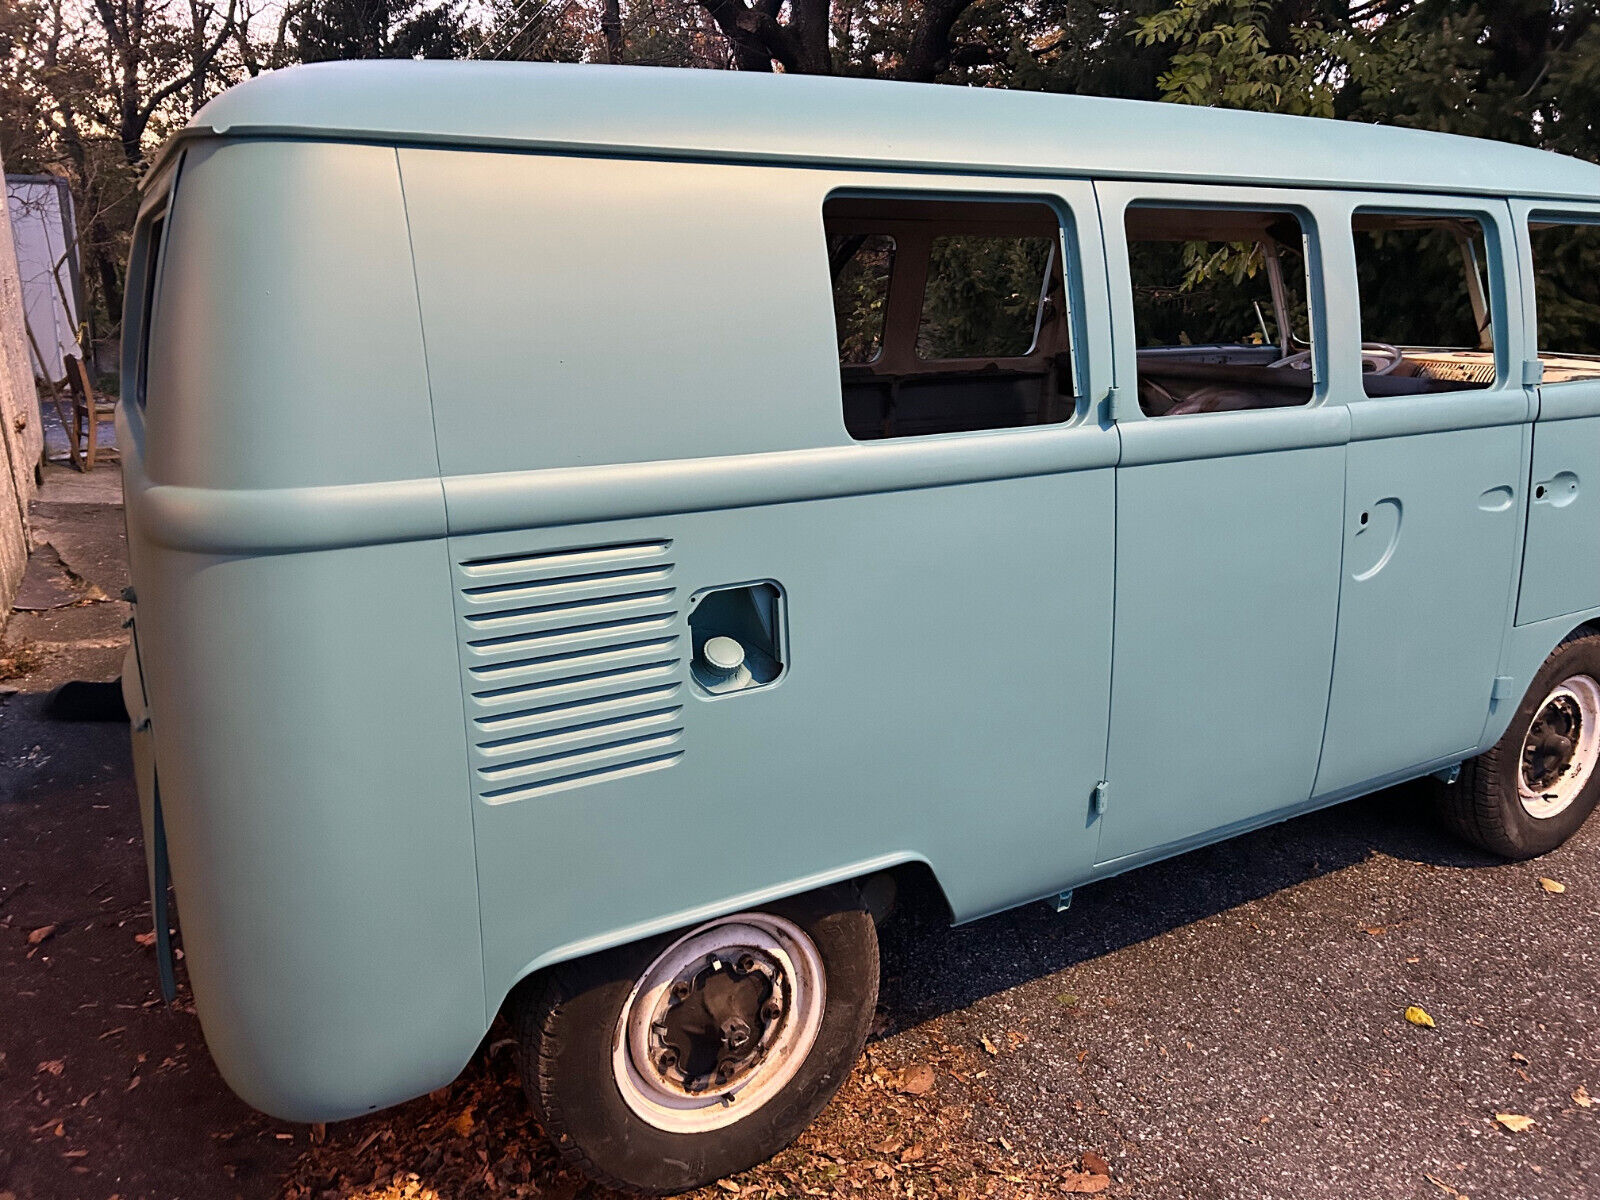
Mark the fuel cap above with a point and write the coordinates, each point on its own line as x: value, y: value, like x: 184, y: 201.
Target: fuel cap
x: 723, y: 655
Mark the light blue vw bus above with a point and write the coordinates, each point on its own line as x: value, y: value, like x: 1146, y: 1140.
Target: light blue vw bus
x: 597, y: 531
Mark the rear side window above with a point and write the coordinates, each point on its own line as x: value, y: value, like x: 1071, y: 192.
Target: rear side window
x: 1220, y: 309
x: 1566, y: 280
x: 151, y: 272
x: 1427, y: 311
x: 951, y: 315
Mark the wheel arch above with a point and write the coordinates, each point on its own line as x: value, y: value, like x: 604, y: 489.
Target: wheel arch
x: 1526, y: 649
x: 910, y: 874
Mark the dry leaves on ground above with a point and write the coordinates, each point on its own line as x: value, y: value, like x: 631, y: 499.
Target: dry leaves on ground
x: 1582, y: 1098
x: 901, y: 1125
x: 1551, y: 886
x: 1419, y: 1017
x: 1515, y: 1122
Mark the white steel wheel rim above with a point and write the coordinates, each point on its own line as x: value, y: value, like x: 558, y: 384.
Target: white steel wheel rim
x: 780, y: 951
x: 1560, y: 749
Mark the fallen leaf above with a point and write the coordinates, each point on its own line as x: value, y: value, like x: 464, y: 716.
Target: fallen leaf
x: 1551, y: 886
x: 989, y: 1046
x: 1067, y: 999
x: 1515, y: 1122
x: 1582, y: 1098
x: 462, y: 1125
x: 1094, y: 1164
x: 1419, y: 1017
x: 913, y: 1153
x: 1518, y: 1056
x: 918, y: 1079
x: 1445, y: 1187
x: 145, y: 939
x: 39, y: 934
x: 728, y: 1185
x: 55, y: 1066
x: 1373, y: 930
x: 1083, y: 1183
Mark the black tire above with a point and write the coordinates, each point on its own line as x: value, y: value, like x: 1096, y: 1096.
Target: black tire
x: 566, y: 1020
x: 1483, y: 806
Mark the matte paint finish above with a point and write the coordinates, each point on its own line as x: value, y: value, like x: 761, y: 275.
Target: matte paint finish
x: 1433, y: 505
x: 441, y: 441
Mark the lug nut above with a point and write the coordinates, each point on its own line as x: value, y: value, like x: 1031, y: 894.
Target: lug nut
x: 680, y: 990
x: 771, y: 1010
x: 747, y: 963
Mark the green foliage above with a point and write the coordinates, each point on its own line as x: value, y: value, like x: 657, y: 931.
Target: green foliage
x: 861, y: 296
x: 1199, y: 293
x: 327, y: 30
x: 982, y: 296
x: 1413, y: 285
x: 1222, y: 54
x: 1566, y: 269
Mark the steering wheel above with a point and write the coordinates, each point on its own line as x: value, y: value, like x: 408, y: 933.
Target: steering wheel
x: 1377, y: 358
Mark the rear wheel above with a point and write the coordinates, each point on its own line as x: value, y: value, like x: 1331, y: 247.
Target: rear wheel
x: 1533, y: 789
x: 663, y: 1065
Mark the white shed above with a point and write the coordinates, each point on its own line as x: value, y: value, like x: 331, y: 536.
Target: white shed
x: 43, y: 224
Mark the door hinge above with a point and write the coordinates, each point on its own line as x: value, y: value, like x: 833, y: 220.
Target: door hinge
x: 1501, y: 689
x: 1063, y: 901
x: 1532, y: 372
x: 1098, y: 797
x: 1116, y: 401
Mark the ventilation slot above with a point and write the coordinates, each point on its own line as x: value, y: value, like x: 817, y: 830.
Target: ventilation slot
x: 573, y: 667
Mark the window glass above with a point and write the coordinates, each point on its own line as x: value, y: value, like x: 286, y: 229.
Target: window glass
x: 982, y: 297
x: 152, y: 272
x: 1220, y: 309
x: 950, y: 315
x: 861, y: 270
x: 1566, y: 280
x: 1426, y: 304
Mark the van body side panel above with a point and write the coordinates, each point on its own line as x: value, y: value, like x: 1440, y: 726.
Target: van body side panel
x: 305, y: 706
x: 677, y: 425
x: 1227, y: 592
x: 1561, y: 551
x: 1561, y: 558
x: 591, y: 311
x: 943, y: 700
x: 287, y: 350
x: 1227, y: 584
x: 1434, y: 506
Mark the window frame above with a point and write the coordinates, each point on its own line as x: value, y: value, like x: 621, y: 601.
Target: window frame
x: 1072, y: 265
x: 147, y: 266
x: 1504, y: 286
x: 1524, y: 213
x: 1307, y: 206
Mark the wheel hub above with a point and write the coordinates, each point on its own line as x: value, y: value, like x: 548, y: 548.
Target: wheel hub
x: 717, y: 1022
x: 1561, y: 748
x: 1551, y: 742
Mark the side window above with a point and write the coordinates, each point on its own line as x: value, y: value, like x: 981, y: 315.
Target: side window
x: 1427, y: 311
x: 1566, y: 281
x: 151, y: 267
x: 951, y: 315
x: 1220, y: 309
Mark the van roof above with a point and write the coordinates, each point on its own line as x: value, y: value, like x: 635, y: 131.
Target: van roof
x: 809, y: 120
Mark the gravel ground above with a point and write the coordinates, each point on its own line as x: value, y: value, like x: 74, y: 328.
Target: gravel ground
x: 1227, y: 1024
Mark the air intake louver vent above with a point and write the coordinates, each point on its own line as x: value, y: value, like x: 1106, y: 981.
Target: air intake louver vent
x: 572, y: 666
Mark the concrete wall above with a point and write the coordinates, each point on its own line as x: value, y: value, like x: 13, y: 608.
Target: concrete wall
x: 21, y: 432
